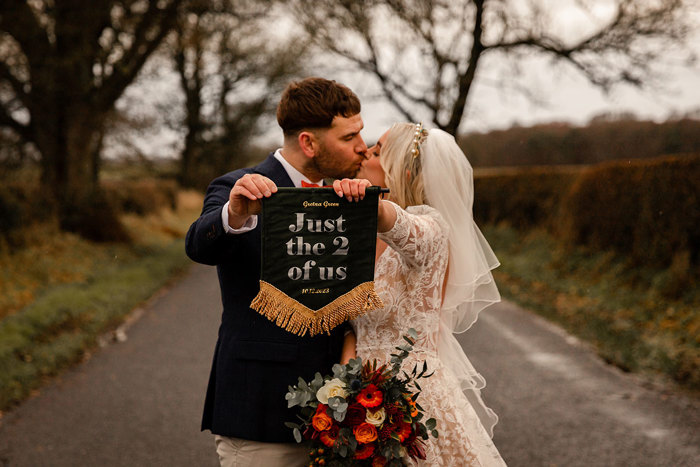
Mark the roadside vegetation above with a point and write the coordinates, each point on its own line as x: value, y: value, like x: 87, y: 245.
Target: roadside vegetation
x: 610, y: 251
x: 624, y: 311
x: 59, y: 292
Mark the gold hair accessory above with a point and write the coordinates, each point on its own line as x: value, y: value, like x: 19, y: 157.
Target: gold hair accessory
x: 418, y: 137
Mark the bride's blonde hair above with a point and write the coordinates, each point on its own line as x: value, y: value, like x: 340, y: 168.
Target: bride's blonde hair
x: 402, y: 171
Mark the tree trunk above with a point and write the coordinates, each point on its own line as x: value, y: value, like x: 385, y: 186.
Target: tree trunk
x: 69, y: 138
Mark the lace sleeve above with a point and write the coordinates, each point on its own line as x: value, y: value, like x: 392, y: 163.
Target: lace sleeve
x: 418, y: 235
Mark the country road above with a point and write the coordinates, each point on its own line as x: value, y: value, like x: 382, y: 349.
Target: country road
x: 138, y: 402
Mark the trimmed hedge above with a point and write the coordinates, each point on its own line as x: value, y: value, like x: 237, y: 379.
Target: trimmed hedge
x: 523, y: 198
x: 648, y: 210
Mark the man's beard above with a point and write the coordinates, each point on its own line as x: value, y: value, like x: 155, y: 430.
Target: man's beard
x: 330, y: 166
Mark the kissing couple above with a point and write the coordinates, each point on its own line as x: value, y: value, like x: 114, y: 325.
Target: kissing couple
x: 432, y: 273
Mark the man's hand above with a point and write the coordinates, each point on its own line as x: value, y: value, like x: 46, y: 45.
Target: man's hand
x: 352, y: 189
x: 244, y: 199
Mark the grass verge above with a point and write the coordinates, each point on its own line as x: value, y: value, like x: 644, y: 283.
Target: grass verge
x: 67, y: 292
x: 627, y: 313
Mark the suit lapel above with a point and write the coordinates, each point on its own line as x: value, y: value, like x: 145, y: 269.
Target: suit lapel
x: 273, y: 169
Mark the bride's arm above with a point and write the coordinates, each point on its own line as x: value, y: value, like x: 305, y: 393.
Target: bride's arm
x: 419, y: 237
x: 386, y: 216
x: 349, y: 350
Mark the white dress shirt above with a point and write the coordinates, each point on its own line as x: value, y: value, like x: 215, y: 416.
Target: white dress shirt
x: 252, y: 221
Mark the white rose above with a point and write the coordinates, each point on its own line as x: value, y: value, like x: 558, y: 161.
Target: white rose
x: 375, y: 418
x: 332, y: 388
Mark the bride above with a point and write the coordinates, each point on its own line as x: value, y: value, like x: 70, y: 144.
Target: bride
x: 433, y: 273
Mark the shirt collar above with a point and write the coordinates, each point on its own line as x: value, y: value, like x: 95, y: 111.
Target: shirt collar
x: 293, y: 173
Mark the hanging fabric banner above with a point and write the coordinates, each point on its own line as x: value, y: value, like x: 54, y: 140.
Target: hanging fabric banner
x: 317, y: 259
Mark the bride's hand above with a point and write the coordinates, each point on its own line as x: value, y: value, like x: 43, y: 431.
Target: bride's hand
x: 352, y: 189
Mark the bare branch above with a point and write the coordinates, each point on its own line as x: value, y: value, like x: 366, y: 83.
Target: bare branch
x: 155, y: 24
x: 446, y: 39
x: 18, y: 20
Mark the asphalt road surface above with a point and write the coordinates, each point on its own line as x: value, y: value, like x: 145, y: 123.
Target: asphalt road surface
x: 138, y: 401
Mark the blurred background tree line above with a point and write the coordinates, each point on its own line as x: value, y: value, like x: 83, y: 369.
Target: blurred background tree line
x: 66, y: 66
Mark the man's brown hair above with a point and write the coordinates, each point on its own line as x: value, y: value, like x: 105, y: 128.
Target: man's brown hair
x: 314, y: 103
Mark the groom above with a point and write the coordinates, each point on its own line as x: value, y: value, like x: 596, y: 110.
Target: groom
x: 254, y: 360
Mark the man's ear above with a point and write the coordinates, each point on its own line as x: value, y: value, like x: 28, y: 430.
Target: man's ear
x: 308, y: 143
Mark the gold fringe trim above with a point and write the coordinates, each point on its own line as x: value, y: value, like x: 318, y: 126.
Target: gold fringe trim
x: 299, y: 319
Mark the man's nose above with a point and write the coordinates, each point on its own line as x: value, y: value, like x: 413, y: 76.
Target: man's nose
x: 363, y: 150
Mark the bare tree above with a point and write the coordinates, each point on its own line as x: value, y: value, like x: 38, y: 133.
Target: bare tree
x: 231, y: 72
x: 427, y: 53
x: 65, y: 63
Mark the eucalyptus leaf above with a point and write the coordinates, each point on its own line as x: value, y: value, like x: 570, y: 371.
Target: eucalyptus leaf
x: 339, y: 371
x: 338, y: 404
x: 317, y: 382
x: 431, y: 423
x: 297, y: 435
x: 355, y: 366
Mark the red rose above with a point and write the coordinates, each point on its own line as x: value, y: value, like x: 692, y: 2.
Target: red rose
x: 370, y: 396
x: 379, y: 461
x: 364, y: 451
x: 355, y: 415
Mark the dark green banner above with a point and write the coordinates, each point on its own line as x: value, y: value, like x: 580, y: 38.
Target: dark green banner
x: 317, y: 258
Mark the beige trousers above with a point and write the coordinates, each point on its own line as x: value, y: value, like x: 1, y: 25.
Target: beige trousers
x: 235, y: 452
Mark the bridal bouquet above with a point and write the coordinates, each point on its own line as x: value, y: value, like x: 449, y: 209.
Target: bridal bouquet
x: 363, y: 414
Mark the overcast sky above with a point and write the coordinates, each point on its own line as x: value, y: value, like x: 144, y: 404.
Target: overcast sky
x: 562, y: 93
x: 566, y: 96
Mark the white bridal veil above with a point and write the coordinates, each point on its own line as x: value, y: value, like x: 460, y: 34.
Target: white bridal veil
x: 449, y: 188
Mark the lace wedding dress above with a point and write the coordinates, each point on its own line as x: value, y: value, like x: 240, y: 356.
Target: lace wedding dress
x: 409, y: 276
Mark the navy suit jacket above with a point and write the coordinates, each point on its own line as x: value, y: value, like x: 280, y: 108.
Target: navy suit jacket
x: 254, y: 360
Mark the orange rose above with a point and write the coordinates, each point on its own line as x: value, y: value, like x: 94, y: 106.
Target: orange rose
x: 365, y: 433
x: 321, y: 421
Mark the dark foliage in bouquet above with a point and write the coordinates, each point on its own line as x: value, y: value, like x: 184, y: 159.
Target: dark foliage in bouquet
x: 364, y: 414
